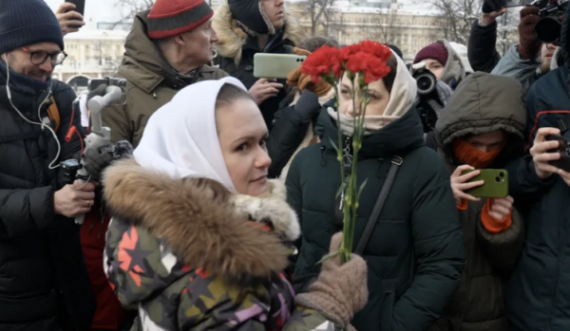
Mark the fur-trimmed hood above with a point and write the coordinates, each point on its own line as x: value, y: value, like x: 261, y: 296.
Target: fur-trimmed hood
x: 232, y: 37
x: 455, y: 68
x: 200, y: 221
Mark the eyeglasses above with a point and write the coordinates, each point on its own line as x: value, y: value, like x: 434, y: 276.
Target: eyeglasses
x: 40, y: 57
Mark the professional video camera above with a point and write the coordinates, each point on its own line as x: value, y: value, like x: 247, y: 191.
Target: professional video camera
x: 548, y: 27
x: 426, y: 83
x: 109, y: 90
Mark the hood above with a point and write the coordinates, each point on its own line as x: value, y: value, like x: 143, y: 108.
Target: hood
x: 143, y: 63
x: 200, y: 222
x: 232, y: 38
x: 455, y: 67
x: 480, y: 104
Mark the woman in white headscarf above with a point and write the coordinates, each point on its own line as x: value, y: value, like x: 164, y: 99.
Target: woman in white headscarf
x: 198, y: 237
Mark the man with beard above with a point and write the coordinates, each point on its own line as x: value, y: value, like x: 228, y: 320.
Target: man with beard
x: 43, y: 281
x: 167, y: 49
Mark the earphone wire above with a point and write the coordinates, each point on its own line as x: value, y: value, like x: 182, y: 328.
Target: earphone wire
x: 41, y: 124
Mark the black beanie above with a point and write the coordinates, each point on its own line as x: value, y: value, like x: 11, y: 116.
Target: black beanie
x: 248, y: 13
x: 27, y: 22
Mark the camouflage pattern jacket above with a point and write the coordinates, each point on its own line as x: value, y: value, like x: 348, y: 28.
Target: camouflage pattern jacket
x: 183, y: 253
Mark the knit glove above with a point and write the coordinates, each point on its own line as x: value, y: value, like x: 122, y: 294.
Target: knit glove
x: 308, y: 105
x: 341, y: 290
x: 303, y: 81
x: 529, y: 45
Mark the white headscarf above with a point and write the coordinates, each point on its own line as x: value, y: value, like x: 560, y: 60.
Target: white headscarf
x: 181, y: 140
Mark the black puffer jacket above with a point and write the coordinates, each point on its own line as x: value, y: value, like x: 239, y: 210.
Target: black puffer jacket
x: 43, y: 281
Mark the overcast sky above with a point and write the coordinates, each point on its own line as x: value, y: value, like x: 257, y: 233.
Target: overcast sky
x: 96, y: 10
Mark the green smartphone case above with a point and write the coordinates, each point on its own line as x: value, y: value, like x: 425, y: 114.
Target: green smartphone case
x: 496, y: 183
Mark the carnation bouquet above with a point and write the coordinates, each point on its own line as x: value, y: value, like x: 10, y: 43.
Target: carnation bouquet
x: 363, y: 63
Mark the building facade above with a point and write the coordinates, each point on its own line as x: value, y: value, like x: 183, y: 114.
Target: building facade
x: 91, y: 54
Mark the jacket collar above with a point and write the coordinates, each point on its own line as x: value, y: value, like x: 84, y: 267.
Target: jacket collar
x: 395, y: 139
x: 203, y: 223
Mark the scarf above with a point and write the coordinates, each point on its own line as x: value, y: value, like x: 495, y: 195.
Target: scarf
x: 468, y: 154
x: 402, y: 98
x: 181, y: 138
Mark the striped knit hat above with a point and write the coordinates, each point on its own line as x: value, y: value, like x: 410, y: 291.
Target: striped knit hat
x: 169, y: 18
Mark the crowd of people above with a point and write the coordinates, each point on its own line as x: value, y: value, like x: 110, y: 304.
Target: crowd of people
x: 225, y: 213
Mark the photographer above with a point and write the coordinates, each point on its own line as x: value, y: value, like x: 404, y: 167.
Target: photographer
x: 530, y: 59
x: 539, y: 290
x: 432, y: 97
x: 43, y: 281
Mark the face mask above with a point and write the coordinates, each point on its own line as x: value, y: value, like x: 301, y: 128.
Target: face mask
x: 468, y: 154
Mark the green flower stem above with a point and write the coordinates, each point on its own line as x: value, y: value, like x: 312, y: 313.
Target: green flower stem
x: 350, y: 205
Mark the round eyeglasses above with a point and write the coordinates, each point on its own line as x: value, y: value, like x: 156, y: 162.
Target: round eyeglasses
x: 40, y: 57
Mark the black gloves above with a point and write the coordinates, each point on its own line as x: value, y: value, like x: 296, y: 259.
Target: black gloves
x: 490, y: 6
x: 308, y: 105
x: 95, y: 160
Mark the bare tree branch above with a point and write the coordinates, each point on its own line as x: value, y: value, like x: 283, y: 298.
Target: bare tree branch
x: 130, y: 8
x: 456, y: 17
x: 382, y: 25
x: 321, y: 15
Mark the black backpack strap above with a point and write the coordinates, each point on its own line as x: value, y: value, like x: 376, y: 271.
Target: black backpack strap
x: 396, y: 163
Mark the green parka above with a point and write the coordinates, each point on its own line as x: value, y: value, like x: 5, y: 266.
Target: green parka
x: 152, y: 82
x: 483, y: 103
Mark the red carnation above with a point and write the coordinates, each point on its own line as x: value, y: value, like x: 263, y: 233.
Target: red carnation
x: 375, y: 69
x: 322, y: 62
x: 357, y: 62
x: 376, y: 49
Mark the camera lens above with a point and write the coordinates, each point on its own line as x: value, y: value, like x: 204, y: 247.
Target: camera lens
x: 498, y: 179
x: 502, y: 174
x: 426, y: 84
x: 548, y: 29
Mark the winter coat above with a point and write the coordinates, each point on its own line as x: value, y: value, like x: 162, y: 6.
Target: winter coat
x: 151, y: 82
x: 538, y: 294
x: 483, y: 103
x: 183, y: 253
x: 414, y: 257
x: 483, y: 55
x: 43, y: 281
x: 236, y: 50
x: 523, y: 70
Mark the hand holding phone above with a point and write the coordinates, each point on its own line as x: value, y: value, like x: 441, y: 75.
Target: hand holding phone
x: 461, y: 182
x: 495, y: 183
x: 70, y: 16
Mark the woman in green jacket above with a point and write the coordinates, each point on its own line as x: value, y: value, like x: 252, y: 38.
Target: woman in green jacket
x: 415, y: 253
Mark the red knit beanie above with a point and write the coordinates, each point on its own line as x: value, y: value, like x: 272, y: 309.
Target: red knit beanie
x: 169, y: 18
x: 434, y: 51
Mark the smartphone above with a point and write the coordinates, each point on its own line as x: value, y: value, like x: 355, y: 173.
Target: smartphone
x: 79, y: 7
x: 496, y: 183
x: 517, y: 3
x: 564, y: 150
x: 276, y: 66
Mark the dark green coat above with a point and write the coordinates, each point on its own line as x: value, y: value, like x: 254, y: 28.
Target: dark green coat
x: 483, y: 103
x: 415, y: 254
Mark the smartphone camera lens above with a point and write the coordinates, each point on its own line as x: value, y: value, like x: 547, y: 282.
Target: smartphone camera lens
x: 502, y: 174
x: 498, y: 179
